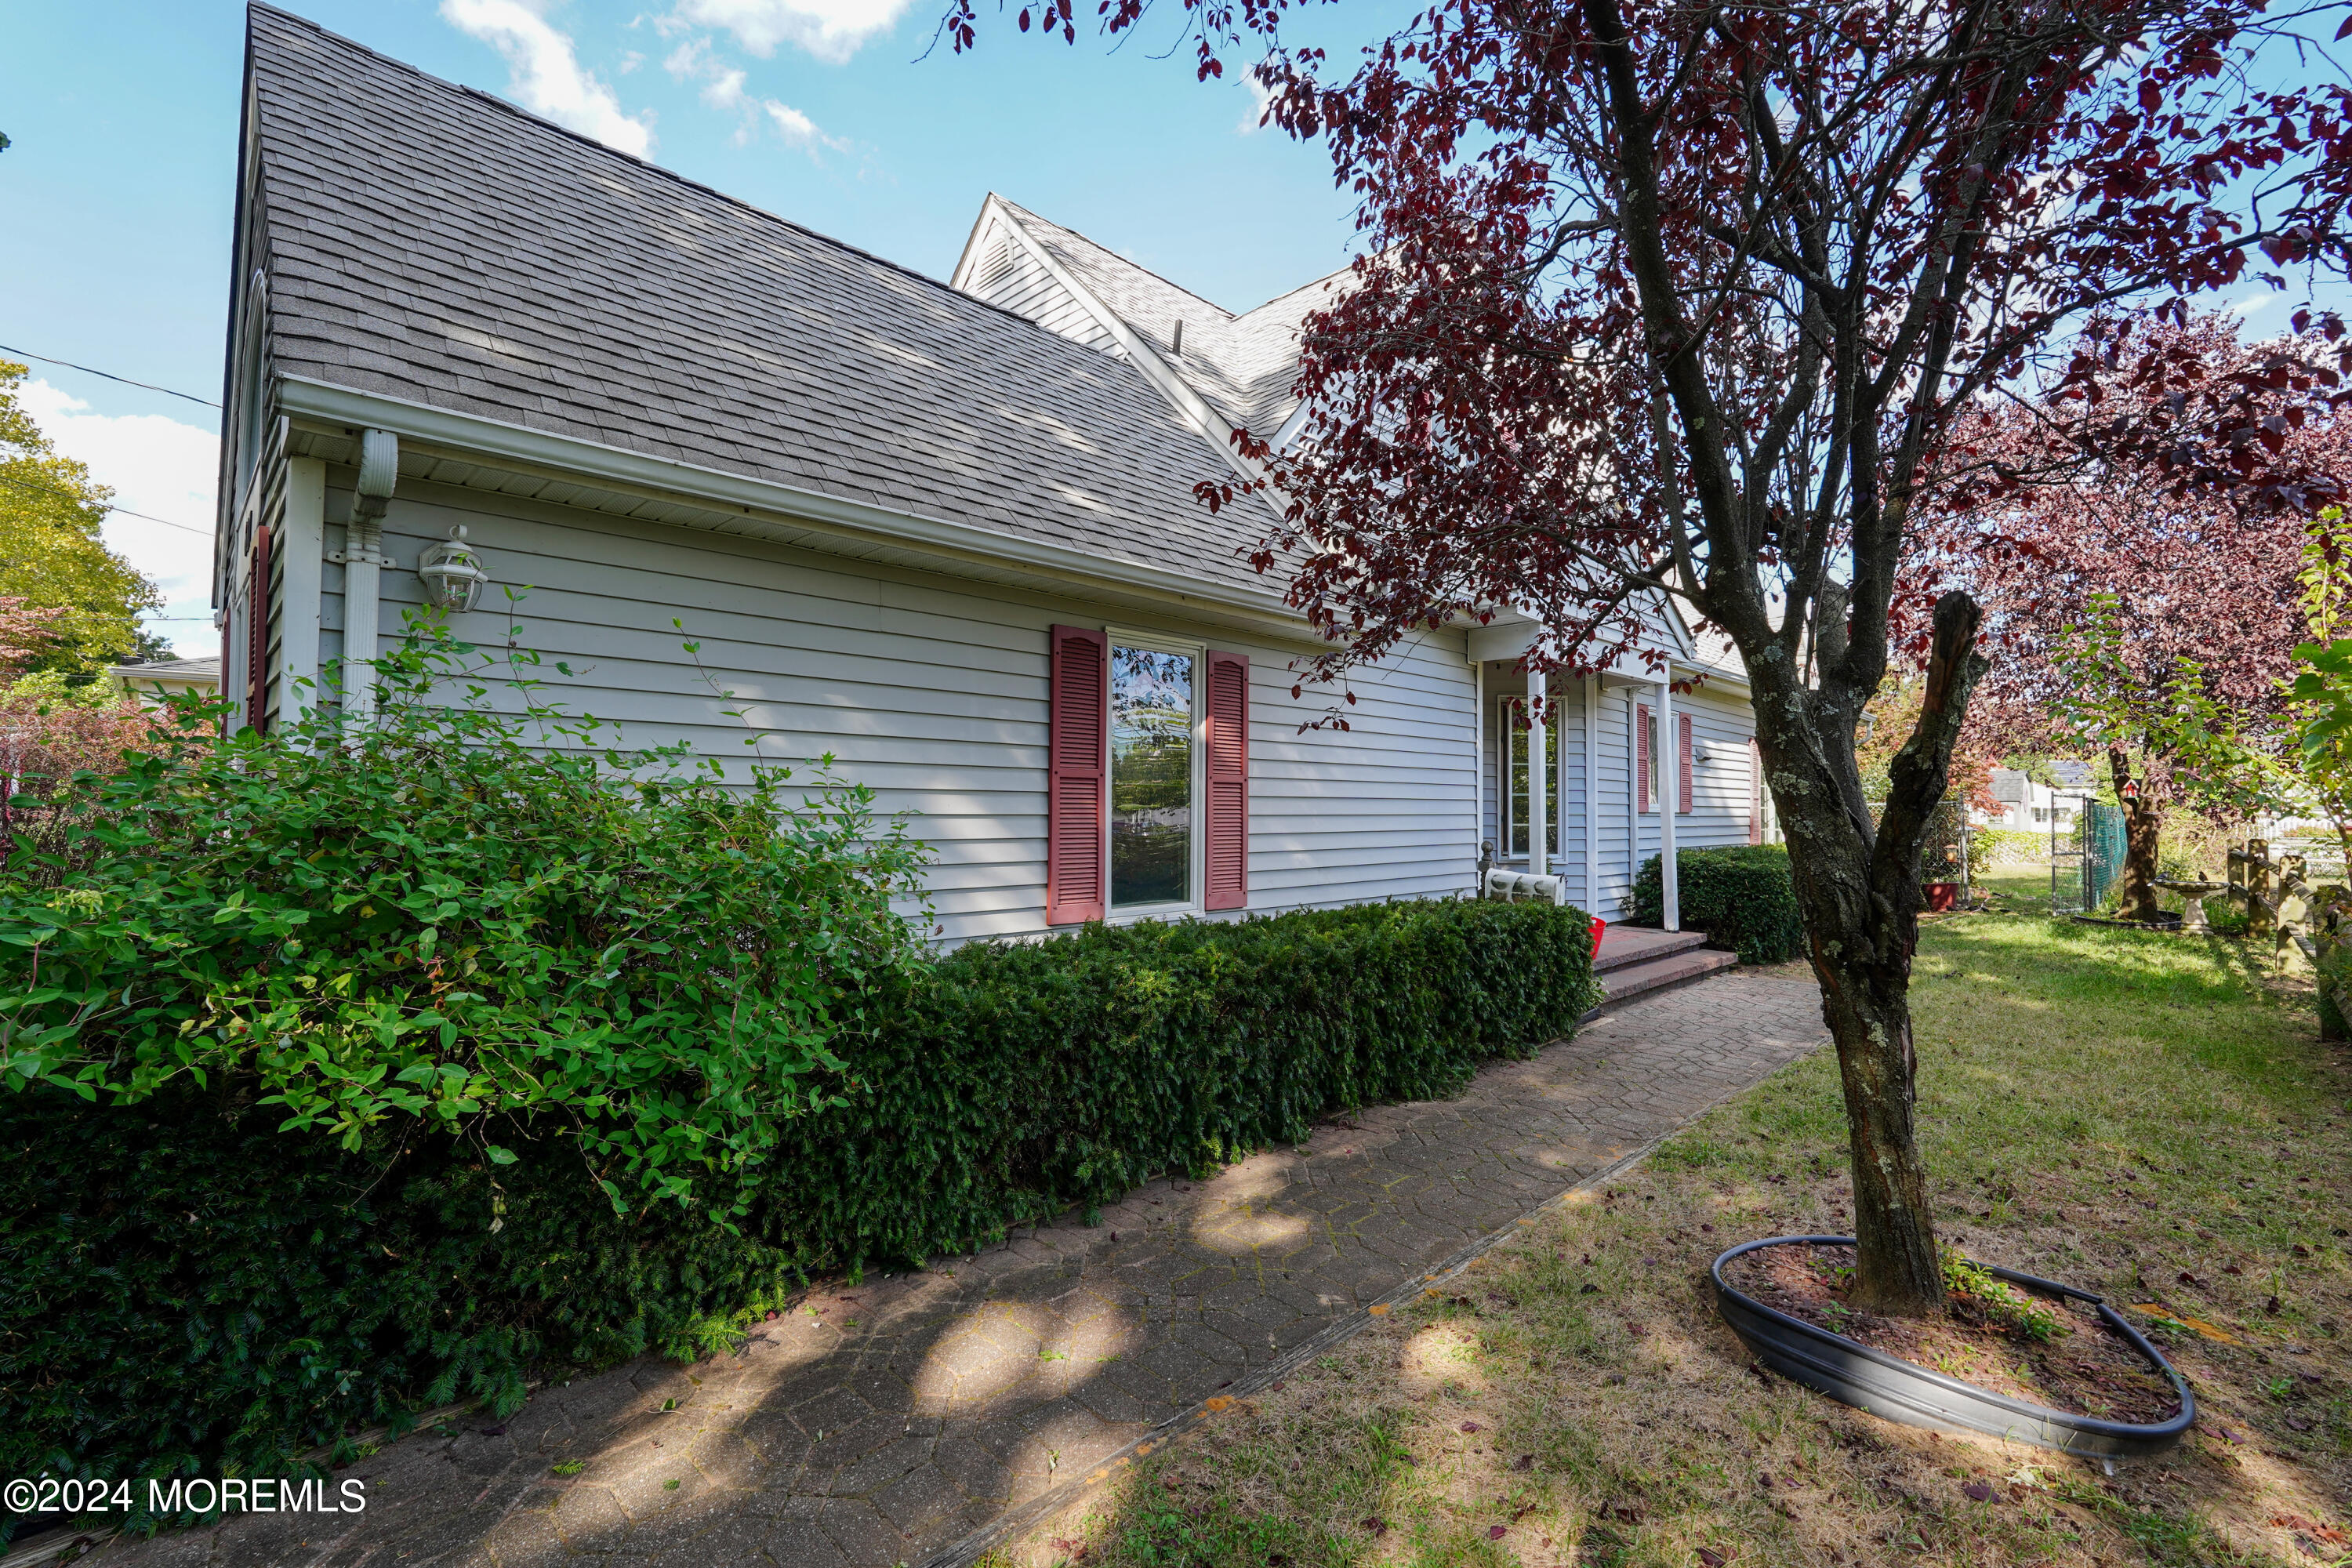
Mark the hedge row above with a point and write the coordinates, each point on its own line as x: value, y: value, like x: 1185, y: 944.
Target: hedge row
x: 1741, y: 895
x: 190, y: 1289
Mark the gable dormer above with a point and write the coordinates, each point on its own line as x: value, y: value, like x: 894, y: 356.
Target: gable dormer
x: 997, y: 267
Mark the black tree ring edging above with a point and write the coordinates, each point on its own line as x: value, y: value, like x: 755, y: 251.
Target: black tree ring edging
x: 1893, y: 1388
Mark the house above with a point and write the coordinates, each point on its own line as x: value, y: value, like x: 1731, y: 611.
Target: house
x: 154, y: 680
x: 2030, y: 807
x: 943, y: 532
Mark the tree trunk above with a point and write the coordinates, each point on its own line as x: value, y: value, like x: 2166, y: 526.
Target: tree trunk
x: 1858, y: 886
x: 2143, y: 821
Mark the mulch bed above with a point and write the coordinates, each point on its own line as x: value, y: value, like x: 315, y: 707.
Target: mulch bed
x: 2086, y: 1370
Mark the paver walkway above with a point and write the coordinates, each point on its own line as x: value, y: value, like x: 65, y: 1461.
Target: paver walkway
x: 876, y: 1426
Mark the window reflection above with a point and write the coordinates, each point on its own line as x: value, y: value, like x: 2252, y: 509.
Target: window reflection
x: 1150, y: 777
x: 1516, y: 737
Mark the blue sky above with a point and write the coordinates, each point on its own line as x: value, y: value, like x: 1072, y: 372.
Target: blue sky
x: 119, y: 188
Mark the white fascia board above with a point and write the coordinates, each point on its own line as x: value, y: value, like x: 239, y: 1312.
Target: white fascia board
x: 1290, y: 428
x: 970, y: 254
x: 1510, y: 633
x: 470, y: 433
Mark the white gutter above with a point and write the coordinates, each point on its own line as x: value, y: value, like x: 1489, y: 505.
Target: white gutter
x: 495, y: 437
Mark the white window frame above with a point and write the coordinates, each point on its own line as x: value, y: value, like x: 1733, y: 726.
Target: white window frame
x: 1115, y: 639
x: 1507, y: 728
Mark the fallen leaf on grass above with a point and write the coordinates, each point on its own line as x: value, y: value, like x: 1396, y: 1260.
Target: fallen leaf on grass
x: 2187, y: 1278
x: 2298, y: 1424
x: 2300, y: 1250
x: 1495, y: 1533
x: 2329, y: 1533
x: 1589, y: 1290
x: 1977, y: 1491
x: 1712, y: 1559
x: 1377, y: 1526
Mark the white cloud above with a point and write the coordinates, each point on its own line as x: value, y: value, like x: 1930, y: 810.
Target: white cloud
x: 158, y: 466
x: 1260, y: 96
x: 832, y: 30
x: 547, y: 77
x: 723, y: 89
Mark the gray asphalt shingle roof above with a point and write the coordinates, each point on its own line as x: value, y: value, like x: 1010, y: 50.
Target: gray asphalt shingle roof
x: 429, y: 242
x: 1244, y: 365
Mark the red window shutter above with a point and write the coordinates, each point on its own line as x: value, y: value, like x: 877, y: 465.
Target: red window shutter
x: 257, y: 639
x: 1754, y: 793
x: 1076, y: 752
x: 1642, y: 746
x: 1226, y: 839
x: 1683, y: 749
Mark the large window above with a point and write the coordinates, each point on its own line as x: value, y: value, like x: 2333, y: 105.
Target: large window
x: 1512, y: 725
x: 1152, y: 743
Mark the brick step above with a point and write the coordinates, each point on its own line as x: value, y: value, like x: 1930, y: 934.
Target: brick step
x: 1619, y: 987
x: 1623, y: 947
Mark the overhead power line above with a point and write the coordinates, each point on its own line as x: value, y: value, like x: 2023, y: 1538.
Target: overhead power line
x: 149, y: 385
x: 107, y: 506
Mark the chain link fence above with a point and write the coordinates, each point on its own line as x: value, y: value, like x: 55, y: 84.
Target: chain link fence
x: 2086, y: 856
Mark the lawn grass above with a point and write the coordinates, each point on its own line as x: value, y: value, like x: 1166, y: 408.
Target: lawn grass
x: 2128, y: 1110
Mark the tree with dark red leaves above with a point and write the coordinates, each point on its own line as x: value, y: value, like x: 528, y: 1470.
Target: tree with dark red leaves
x: 1683, y: 298
x: 2201, y: 583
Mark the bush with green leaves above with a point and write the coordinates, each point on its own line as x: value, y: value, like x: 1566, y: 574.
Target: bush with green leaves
x: 1741, y: 895
x: 471, y: 917
x: 1026, y: 1077
x: 305, y: 1290
x: 1990, y: 846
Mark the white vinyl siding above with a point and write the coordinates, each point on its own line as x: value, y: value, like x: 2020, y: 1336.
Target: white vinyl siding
x: 934, y: 693
x: 1010, y: 276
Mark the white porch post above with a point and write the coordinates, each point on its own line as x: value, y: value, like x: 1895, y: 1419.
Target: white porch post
x: 1539, y: 818
x: 1592, y: 794
x: 1667, y: 772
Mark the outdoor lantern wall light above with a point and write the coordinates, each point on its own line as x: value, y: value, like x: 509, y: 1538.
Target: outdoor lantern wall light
x: 453, y: 574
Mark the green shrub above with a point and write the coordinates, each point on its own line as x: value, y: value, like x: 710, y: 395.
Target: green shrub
x: 479, y: 922
x: 1990, y: 846
x: 1029, y: 1076
x: 1740, y: 895
x: 191, y: 1291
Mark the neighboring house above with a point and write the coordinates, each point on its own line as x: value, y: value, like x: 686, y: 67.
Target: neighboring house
x: 2028, y: 806
x: 942, y: 531
x: 156, y: 680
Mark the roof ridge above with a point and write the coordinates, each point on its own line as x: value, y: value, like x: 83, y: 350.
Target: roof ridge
x: 495, y: 102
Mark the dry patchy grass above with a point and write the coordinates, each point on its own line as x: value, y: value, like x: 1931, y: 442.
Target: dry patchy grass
x: 2115, y: 1107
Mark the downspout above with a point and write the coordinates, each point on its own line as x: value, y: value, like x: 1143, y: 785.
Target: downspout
x: 364, y: 561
